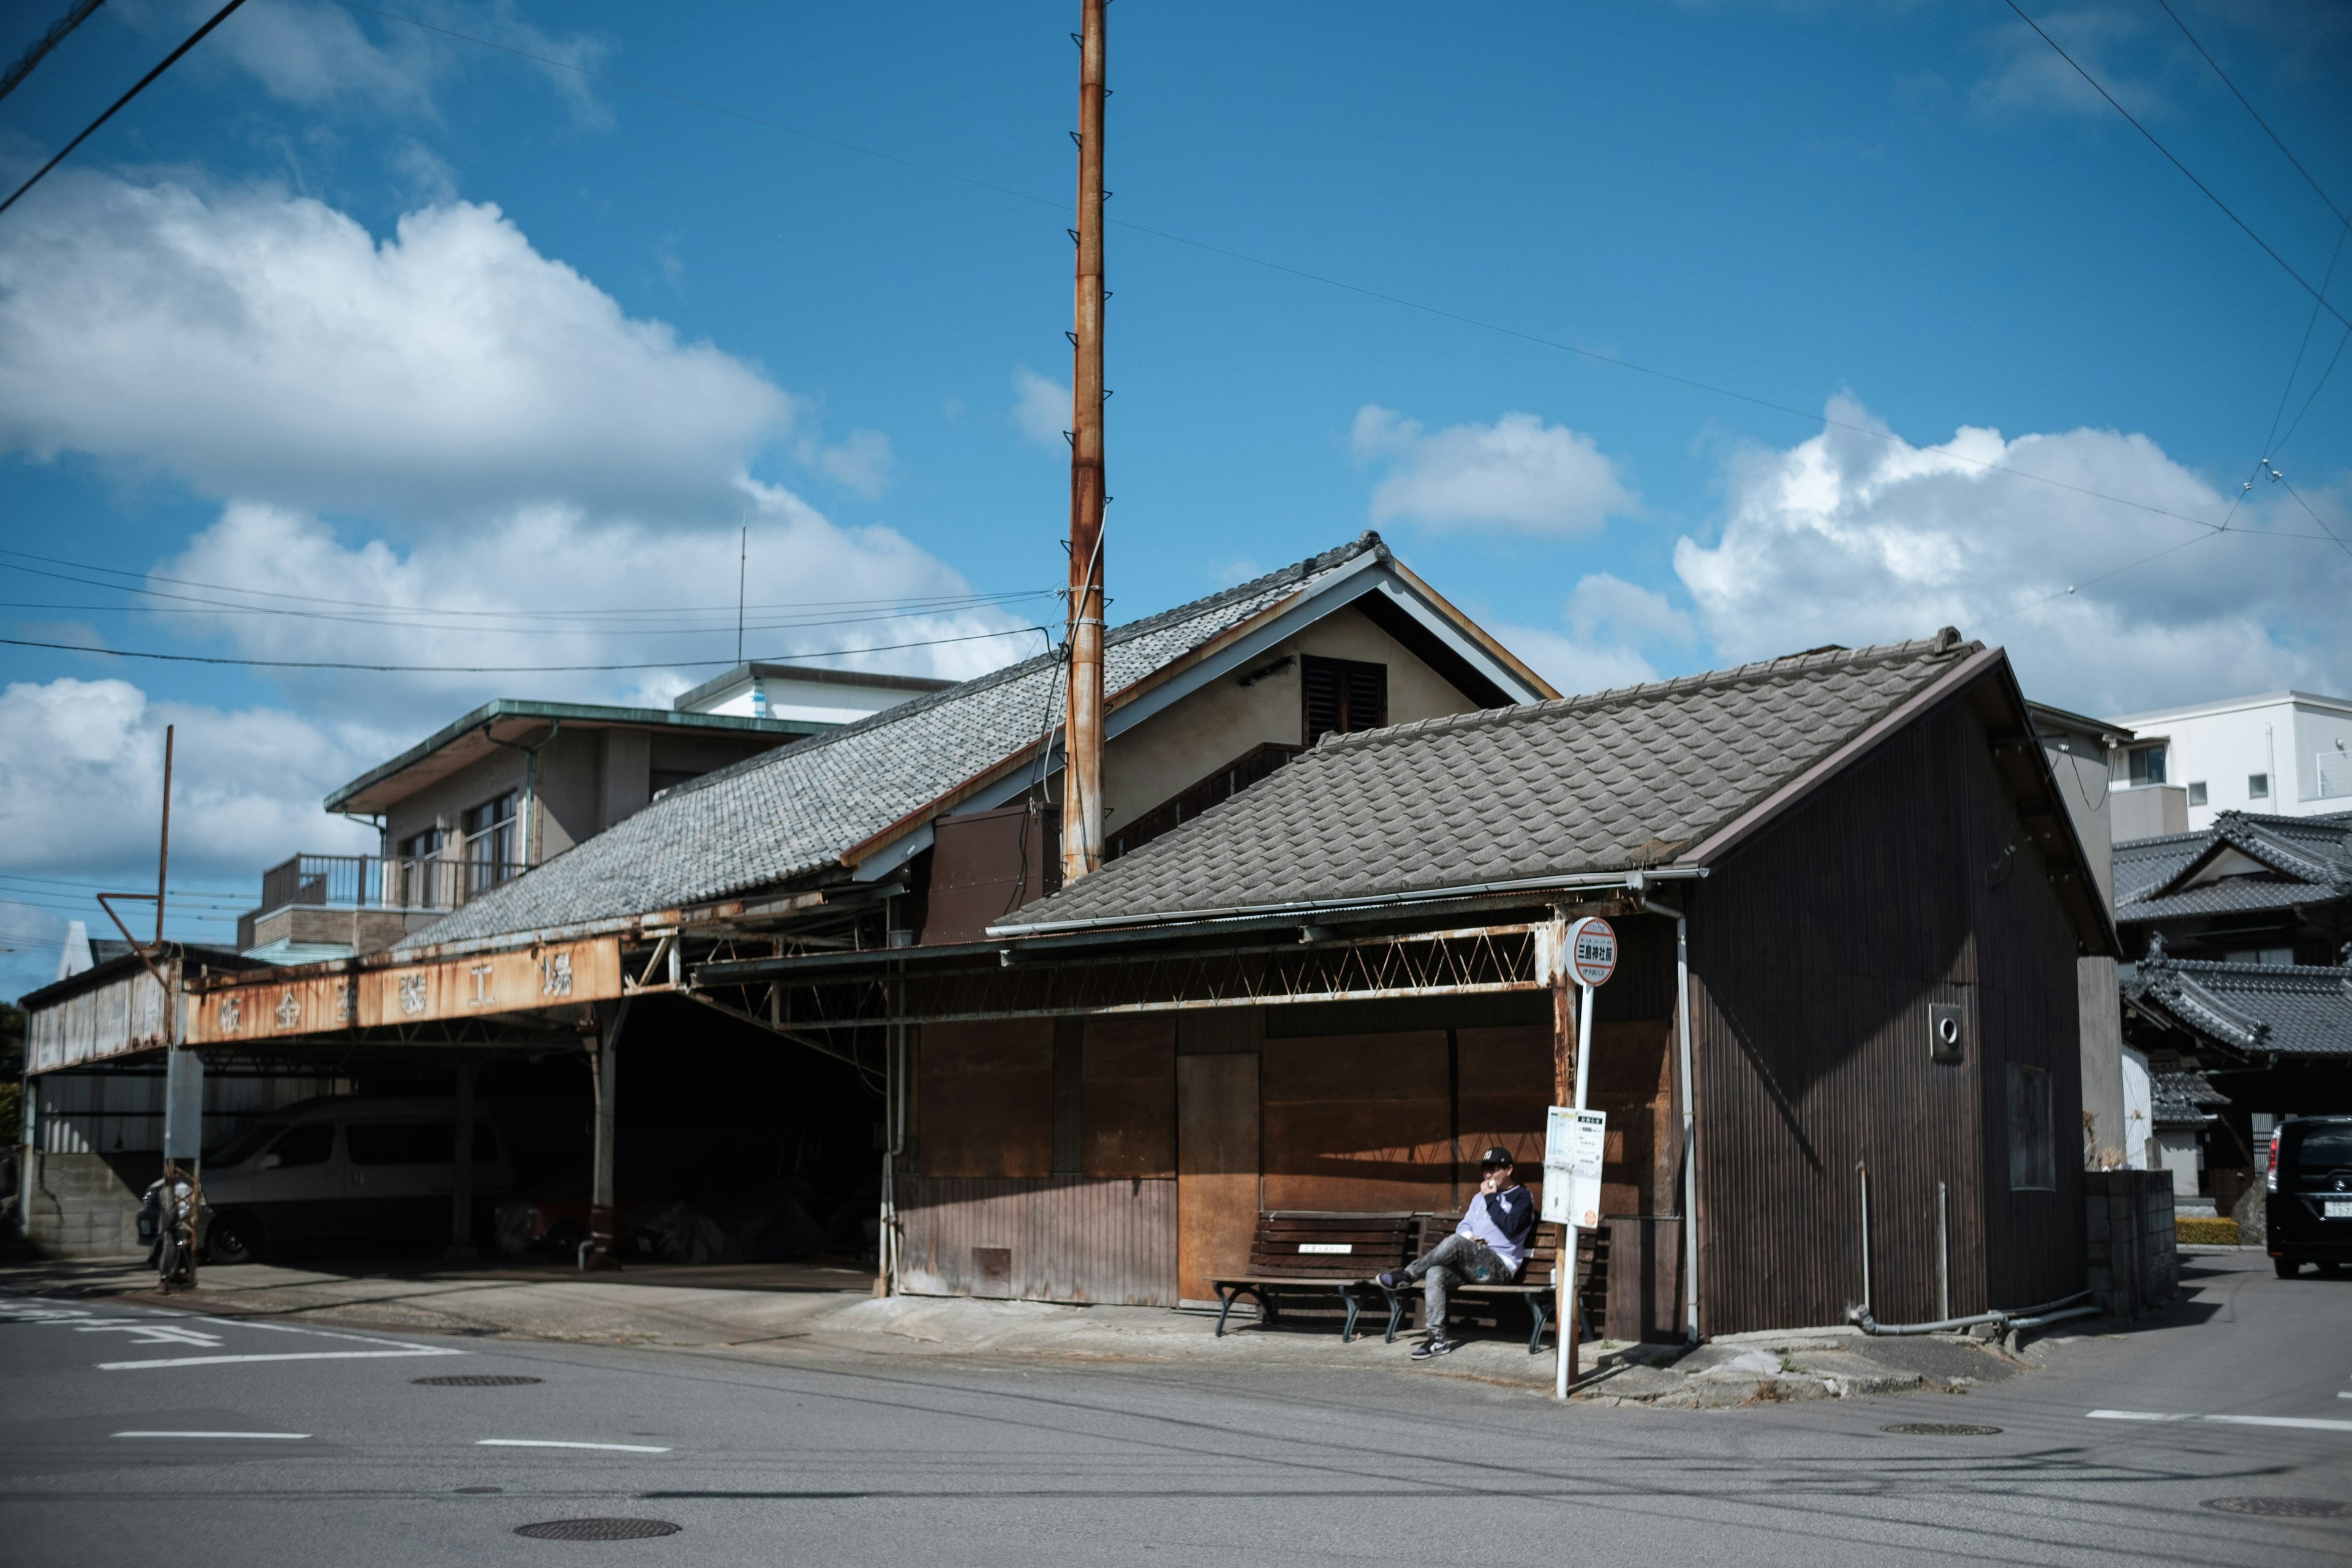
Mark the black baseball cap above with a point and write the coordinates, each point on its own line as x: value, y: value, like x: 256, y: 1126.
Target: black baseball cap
x: 1498, y: 1155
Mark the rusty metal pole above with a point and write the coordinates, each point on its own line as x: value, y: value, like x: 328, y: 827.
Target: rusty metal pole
x: 1082, y: 814
x: 163, y: 855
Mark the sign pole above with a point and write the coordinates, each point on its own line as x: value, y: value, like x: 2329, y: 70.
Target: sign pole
x: 1575, y: 1141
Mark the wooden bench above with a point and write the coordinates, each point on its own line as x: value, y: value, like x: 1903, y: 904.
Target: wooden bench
x: 1296, y: 1250
x: 1537, y: 1285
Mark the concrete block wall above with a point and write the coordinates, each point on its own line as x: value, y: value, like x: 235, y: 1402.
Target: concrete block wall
x: 2134, y: 1251
x: 86, y: 1205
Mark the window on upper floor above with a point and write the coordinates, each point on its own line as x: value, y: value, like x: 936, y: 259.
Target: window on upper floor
x: 2196, y: 792
x: 2258, y: 786
x: 490, y: 842
x: 2142, y: 765
x: 1343, y: 695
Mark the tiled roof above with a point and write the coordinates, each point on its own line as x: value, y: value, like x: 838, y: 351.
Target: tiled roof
x: 794, y: 811
x: 2253, y: 1009
x: 1600, y: 783
x: 2307, y: 860
x: 2181, y: 1098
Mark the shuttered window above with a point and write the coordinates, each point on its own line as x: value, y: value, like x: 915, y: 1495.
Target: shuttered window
x: 1343, y: 695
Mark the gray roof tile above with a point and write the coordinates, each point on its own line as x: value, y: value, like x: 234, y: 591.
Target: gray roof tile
x: 794, y: 811
x: 1578, y: 784
x: 2302, y: 1010
x: 2308, y: 861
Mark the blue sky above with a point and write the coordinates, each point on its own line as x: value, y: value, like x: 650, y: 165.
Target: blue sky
x: 345, y: 308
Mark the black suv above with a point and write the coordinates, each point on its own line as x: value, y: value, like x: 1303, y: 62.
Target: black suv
x: 2308, y: 1203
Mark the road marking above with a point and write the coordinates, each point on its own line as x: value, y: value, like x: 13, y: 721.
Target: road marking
x: 279, y: 1437
x: 298, y: 1355
x: 550, y: 1443
x: 2306, y: 1423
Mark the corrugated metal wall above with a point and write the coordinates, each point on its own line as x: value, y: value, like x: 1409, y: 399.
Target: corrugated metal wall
x: 1815, y: 951
x: 122, y: 1015
x: 1067, y: 1238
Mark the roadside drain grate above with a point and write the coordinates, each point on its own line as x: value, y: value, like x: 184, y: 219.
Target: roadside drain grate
x: 477, y: 1380
x: 478, y: 1491
x: 1940, y: 1429
x: 2279, y: 1507
x: 599, y: 1530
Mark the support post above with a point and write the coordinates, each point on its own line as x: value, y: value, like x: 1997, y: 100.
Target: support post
x: 602, y: 1230
x: 1082, y: 813
x: 1564, y: 1074
x: 461, y: 1189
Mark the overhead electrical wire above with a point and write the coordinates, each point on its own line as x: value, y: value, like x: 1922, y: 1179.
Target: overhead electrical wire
x: 368, y: 668
x: 2341, y: 216
x: 137, y: 88
x: 1809, y: 416
x: 2285, y: 266
x: 74, y: 18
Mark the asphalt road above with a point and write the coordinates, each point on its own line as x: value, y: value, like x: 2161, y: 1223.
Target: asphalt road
x: 334, y: 1453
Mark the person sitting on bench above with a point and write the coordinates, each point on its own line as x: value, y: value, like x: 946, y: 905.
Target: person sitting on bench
x: 1489, y: 1247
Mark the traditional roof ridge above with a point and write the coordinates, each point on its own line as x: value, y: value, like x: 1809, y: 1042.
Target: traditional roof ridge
x: 1297, y: 571
x: 1945, y: 642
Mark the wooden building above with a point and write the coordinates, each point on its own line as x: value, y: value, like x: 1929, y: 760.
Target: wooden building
x: 1329, y: 992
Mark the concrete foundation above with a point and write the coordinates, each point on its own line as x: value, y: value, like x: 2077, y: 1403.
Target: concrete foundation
x: 86, y: 1205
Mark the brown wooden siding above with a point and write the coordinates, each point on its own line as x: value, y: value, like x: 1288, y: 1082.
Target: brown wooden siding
x: 1061, y: 1239
x: 1357, y: 1123
x: 1815, y: 951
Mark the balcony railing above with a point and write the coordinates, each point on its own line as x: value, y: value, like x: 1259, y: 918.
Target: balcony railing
x: 374, y: 882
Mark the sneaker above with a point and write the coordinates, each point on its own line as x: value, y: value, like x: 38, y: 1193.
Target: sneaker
x: 1394, y: 1279
x: 1432, y: 1348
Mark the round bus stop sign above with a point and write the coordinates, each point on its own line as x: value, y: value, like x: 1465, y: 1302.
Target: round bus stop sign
x: 1592, y: 951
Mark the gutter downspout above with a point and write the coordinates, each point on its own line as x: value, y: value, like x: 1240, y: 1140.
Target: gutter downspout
x: 530, y: 784
x: 1690, y: 1113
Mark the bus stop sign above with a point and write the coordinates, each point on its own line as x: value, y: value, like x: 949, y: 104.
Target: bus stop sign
x: 1591, y: 950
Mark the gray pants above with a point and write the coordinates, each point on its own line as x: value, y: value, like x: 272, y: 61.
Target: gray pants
x: 1457, y: 1260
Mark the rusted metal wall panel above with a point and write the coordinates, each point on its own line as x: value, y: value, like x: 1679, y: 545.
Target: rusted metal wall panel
x: 263, y: 1006
x: 986, y: 1098
x: 984, y: 867
x: 1066, y: 1238
x: 1127, y: 1125
x: 125, y: 1015
x: 1815, y: 952
x: 1217, y: 1141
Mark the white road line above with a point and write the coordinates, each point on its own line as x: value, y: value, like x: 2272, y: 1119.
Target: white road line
x: 549, y: 1443
x: 298, y: 1355
x: 321, y: 1334
x: 279, y: 1437
x: 2306, y: 1423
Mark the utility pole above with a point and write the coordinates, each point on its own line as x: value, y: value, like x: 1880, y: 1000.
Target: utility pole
x: 1082, y: 733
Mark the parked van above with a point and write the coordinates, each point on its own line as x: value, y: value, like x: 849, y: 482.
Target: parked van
x: 343, y: 1170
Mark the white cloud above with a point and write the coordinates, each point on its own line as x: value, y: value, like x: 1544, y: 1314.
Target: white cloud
x: 81, y: 783
x: 552, y: 585
x: 1609, y: 621
x: 269, y: 348
x: 864, y: 461
x: 1852, y: 538
x: 315, y: 54
x: 2028, y: 77
x: 1517, y: 473
x: 1041, y: 407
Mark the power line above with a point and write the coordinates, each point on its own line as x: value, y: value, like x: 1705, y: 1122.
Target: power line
x: 2177, y: 164
x: 1809, y: 416
x: 2340, y: 215
x: 46, y: 42
x: 499, y: 669
x: 141, y: 86
x: 950, y: 601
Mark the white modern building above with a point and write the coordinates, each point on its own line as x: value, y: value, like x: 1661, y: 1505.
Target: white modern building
x: 803, y: 694
x: 2281, y: 753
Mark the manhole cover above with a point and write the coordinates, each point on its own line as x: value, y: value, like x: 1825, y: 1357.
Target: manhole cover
x: 599, y: 1530
x: 1940, y: 1429
x: 2279, y: 1507
x: 475, y: 1380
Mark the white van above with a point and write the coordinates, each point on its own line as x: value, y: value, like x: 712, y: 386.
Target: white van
x: 345, y: 1170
